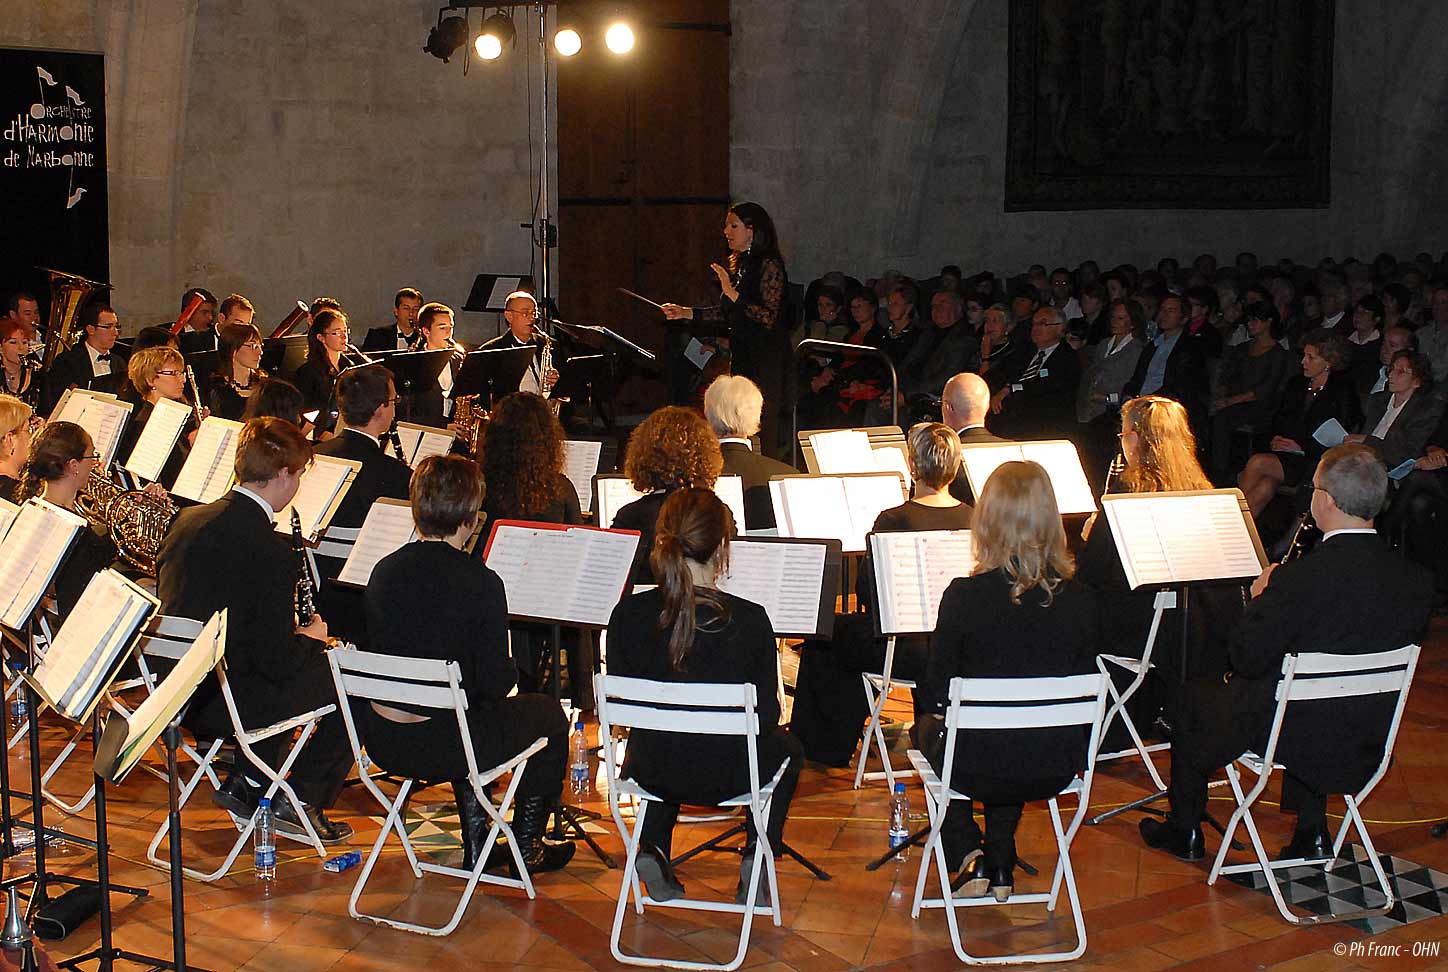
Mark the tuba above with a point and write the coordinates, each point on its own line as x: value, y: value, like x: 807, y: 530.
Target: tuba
x: 68, y: 294
x: 137, y: 520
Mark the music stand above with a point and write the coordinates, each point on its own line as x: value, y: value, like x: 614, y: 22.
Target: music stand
x: 760, y: 564
x: 490, y: 291
x: 493, y: 372
x: 601, y: 377
x: 413, y: 371
x: 283, y: 355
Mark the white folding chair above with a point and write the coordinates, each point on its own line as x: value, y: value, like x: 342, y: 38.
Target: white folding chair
x: 171, y: 645
x: 366, y: 677
x: 877, y: 691
x: 1012, y: 704
x: 1140, y: 668
x: 710, y: 709
x: 1319, y: 675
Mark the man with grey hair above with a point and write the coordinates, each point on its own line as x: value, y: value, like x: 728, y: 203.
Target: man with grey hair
x: 1040, y: 401
x: 733, y: 405
x: 1350, y: 595
x: 964, y: 402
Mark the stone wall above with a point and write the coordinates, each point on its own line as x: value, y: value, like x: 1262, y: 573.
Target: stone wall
x: 886, y: 145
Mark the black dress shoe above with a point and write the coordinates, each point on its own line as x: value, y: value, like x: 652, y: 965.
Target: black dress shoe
x: 237, y: 797
x: 1182, y: 844
x: 971, y: 881
x: 1312, y: 847
x: 330, y: 831
x: 658, y: 874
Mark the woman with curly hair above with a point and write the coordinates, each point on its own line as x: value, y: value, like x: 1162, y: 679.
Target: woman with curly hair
x: 522, y: 459
x: 671, y: 448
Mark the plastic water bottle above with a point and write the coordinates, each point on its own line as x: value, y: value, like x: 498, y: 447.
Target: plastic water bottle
x: 19, y: 712
x: 578, y: 761
x: 900, y: 822
x: 266, y: 842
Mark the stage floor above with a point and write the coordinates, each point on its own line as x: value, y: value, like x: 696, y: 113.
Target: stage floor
x: 1144, y: 911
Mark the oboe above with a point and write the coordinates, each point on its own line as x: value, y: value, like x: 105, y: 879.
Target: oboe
x: 195, y: 395
x: 305, y: 600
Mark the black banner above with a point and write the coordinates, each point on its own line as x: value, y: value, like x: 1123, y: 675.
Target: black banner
x: 52, y: 168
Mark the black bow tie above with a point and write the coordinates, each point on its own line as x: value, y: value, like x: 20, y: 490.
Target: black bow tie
x: 104, y: 357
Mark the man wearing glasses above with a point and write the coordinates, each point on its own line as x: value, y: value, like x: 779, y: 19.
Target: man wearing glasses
x: 521, y: 311
x: 94, y: 357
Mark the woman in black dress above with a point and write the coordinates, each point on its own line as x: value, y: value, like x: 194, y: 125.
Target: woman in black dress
x: 1249, y: 384
x: 1020, y: 614
x: 238, y: 370
x: 686, y: 630
x: 750, y: 311
x: 428, y: 599
x: 326, y: 344
x: 672, y: 448
x: 18, y: 423
x: 829, y: 707
x: 18, y: 376
x: 522, y: 462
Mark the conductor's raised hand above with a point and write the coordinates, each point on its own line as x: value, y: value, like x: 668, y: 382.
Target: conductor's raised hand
x: 726, y: 286
x: 676, y: 313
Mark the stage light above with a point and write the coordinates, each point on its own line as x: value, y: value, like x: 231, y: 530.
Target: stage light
x: 444, y: 39
x: 567, y: 42
x: 497, y: 33
x: 619, y: 38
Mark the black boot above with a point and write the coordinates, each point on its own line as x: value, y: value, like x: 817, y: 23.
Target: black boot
x: 474, y: 822
x: 530, y: 819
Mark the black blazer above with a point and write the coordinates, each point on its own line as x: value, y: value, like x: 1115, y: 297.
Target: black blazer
x: 384, y: 338
x: 1297, y: 417
x: 960, y: 485
x: 427, y: 600
x: 642, y: 515
x: 381, y: 475
x: 1349, y: 595
x: 227, y: 555
x: 1407, y: 437
x: 754, y: 470
x: 72, y: 369
x: 939, y: 355
x: 687, y: 768
x: 1185, y: 378
x: 1044, y: 406
x: 981, y: 634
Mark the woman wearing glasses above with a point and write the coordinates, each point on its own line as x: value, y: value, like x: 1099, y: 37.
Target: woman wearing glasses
x: 158, y: 373
x: 62, y: 457
x: 326, y: 345
x: 238, y: 372
x: 18, y: 422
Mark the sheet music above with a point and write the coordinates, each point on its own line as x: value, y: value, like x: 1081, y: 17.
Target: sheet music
x: 320, y: 490
x: 842, y: 508
x: 387, y: 528
x: 912, y: 571
x: 1057, y: 456
x: 502, y: 287
x: 122, y: 747
x: 103, y: 418
x: 33, y: 548
x: 8, y: 512
x: 421, y: 441
x: 572, y: 575
x: 79, y: 664
x: 158, y: 439
x: 616, y: 492
x: 580, y: 465
x: 208, y: 471
x: 730, y: 489
x: 784, y: 578
x: 891, y: 459
x: 1174, y: 538
x: 845, y: 451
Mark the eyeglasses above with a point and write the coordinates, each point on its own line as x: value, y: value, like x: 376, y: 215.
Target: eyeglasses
x: 253, y: 345
x: 95, y: 456
x: 170, y: 371
x: 106, y: 327
x: 335, y: 333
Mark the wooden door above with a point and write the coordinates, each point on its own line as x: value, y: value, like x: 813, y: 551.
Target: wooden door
x: 643, y: 174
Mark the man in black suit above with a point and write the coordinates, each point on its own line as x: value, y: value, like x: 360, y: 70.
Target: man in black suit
x: 368, y: 404
x: 948, y: 347
x: 521, y: 313
x: 227, y: 554
x: 1039, y: 401
x: 1350, y: 595
x: 964, y: 403
x: 94, y: 357
x: 200, y: 333
x: 402, y: 334
x: 432, y: 403
x: 733, y: 404
x: 1173, y: 365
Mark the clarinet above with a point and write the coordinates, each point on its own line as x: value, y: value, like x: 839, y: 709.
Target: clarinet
x: 1306, y: 527
x: 305, y: 600
x: 395, y: 440
x: 195, y: 396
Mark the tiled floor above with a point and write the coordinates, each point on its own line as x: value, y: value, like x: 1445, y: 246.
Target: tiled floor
x: 1143, y: 911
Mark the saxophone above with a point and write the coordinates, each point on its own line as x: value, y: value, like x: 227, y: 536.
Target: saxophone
x: 545, y: 365
x: 305, y: 600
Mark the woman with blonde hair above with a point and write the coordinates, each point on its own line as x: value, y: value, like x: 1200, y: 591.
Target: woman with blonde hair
x: 17, y: 424
x: 157, y: 373
x: 1020, y: 614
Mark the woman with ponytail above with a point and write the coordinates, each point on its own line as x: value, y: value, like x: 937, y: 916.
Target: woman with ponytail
x: 687, y: 630
x: 61, y: 459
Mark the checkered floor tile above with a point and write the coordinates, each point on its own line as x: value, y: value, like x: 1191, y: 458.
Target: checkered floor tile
x: 1350, y: 885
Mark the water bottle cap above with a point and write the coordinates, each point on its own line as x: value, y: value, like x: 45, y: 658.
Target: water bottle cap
x: 899, y: 787
x: 264, y: 802
x: 578, y: 724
